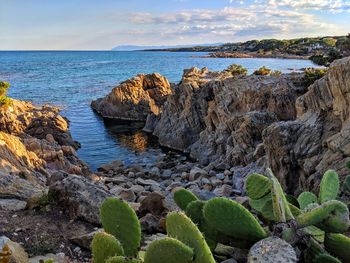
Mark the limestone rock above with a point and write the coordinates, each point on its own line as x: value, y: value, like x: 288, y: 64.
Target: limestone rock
x: 11, y: 251
x: 82, y: 197
x: 219, y: 118
x: 300, y: 151
x: 135, y: 98
x: 272, y: 250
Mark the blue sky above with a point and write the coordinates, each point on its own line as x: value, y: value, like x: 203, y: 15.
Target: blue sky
x: 103, y: 24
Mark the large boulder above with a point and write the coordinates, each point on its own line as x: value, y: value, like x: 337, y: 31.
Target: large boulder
x: 135, y: 98
x: 79, y: 195
x: 300, y: 151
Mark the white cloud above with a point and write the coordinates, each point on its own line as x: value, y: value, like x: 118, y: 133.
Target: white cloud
x: 230, y: 24
x: 324, y: 5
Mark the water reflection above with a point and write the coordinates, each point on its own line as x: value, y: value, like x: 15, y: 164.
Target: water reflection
x: 130, y: 135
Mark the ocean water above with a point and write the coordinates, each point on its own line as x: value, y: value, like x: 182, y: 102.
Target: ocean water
x: 71, y: 79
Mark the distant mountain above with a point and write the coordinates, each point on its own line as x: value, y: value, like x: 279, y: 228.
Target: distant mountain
x: 135, y: 47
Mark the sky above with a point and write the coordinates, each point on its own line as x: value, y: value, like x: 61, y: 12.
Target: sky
x: 104, y: 24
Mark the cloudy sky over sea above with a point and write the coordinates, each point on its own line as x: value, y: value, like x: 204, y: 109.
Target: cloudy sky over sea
x: 103, y: 24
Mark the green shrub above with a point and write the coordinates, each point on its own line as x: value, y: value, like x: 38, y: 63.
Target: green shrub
x: 4, y: 87
x: 5, y: 101
x: 263, y: 71
x: 237, y: 70
x: 313, y: 74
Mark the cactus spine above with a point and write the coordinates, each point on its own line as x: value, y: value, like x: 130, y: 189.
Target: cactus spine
x: 120, y: 220
x: 232, y: 219
x: 180, y: 227
x: 183, y: 197
x: 329, y: 187
x: 338, y: 245
x: 168, y: 250
x: 105, y: 246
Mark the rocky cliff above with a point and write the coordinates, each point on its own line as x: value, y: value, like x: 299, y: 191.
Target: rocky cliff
x: 227, y: 121
x: 34, y: 143
x: 135, y: 98
x: 300, y: 151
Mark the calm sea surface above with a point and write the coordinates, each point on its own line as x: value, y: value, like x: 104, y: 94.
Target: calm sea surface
x: 71, y: 79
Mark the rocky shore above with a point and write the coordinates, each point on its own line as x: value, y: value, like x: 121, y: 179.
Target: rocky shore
x: 227, y: 126
x: 253, y: 55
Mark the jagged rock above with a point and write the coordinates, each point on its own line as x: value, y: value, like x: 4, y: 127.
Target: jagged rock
x: 11, y: 251
x: 300, y: 151
x: 272, y: 250
x: 135, y: 98
x: 219, y: 119
x: 82, y: 197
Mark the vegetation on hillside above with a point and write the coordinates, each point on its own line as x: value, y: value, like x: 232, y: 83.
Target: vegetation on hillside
x: 4, y: 100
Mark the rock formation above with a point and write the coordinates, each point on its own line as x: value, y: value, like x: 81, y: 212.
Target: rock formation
x: 219, y: 118
x: 34, y: 143
x: 300, y: 151
x: 275, y: 121
x: 135, y: 98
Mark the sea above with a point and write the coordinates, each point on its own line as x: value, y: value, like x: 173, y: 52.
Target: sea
x: 72, y: 79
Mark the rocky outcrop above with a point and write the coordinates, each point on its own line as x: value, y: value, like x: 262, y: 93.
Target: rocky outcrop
x: 300, y: 151
x: 219, y: 118
x: 34, y: 143
x: 135, y: 98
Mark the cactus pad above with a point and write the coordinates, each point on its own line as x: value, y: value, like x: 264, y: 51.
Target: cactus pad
x: 329, y: 187
x: 121, y: 259
x: 180, y: 227
x: 232, y: 219
x: 326, y: 258
x: 168, y: 250
x: 306, y: 198
x: 195, y: 212
x: 183, y: 197
x: 104, y: 246
x: 257, y: 186
x: 338, y: 245
x: 280, y: 205
x: 346, y: 184
x: 120, y: 220
x: 331, y: 216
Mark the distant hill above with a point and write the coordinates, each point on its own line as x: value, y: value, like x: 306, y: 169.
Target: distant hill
x: 135, y: 47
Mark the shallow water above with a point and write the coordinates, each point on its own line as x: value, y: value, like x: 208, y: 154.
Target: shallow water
x: 71, y: 79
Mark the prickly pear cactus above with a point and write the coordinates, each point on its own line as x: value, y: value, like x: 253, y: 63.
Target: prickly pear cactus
x: 120, y: 220
x: 104, y: 246
x: 233, y: 219
x: 180, y: 227
x: 183, y: 197
x: 338, y: 245
x: 195, y: 212
x: 331, y: 216
x: 306, y: 198
x: 257, y: 186
x: 168, y: 250
x: 326, y: 258
x: 346, y: 184
x: 121, y: 259
x: 280, y: 204
x: 329, y: 187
